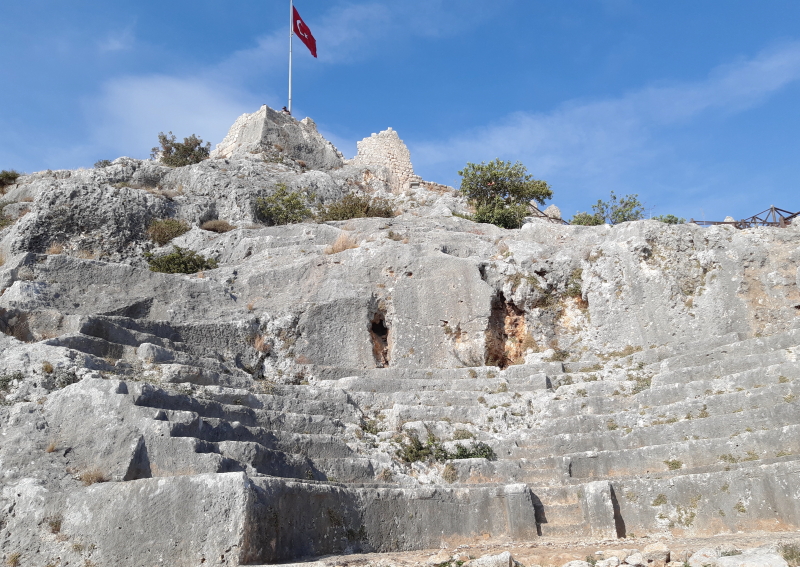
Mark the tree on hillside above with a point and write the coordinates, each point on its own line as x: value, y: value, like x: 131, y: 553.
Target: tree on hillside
x: 613, y: 211
x: 177, y: 154
x: 500, y: 191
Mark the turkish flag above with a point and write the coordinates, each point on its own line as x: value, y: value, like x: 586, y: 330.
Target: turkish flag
x: 302, y: 31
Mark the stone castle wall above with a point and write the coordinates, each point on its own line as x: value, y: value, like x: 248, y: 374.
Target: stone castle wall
x: 387, y: 149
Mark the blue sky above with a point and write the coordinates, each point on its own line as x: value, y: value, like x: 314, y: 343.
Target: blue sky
x: 692, y: 105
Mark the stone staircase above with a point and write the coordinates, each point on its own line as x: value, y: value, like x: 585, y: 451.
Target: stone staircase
x: 662, y: 439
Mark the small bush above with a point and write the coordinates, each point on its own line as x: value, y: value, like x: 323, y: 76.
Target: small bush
x: 673, y: 464
x: 7, y: 177
x: 791, y: 554
x: 353, y: 206
x: 660, y: 500
x: 164, y: 230
x: 343, y: 242
x: 669, y: 219
x: 102, y: 163
x: 54, y: 523
x: 92, y: 476
x: 282, y: 207
x: 479, y: 450
x: 586, y: 219
x: 177, y: 154
x: 460, y: 434
x: 47, y: 367
x: 450, y: 474
x: 55, y: 248
x: 499, y: 213
x: 179, y: 261
x: 219, y: 226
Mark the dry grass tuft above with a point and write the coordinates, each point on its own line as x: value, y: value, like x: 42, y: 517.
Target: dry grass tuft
x: 261, y: 344
x: 86, y: 254
x: 343, y: 242
x: 13, y: 560
x: 55, y: 248
x: 47, y: 368
x: 219, y: 226
x: 54, y: 523
x: 51, y: 447
x: 92, y: 476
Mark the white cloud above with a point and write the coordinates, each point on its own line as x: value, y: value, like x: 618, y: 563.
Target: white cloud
x: 131, y: 111
x: 117, y: 40
x: 587, y: 141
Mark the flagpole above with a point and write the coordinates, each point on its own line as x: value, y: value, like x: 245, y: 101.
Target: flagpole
x: 291, y: 33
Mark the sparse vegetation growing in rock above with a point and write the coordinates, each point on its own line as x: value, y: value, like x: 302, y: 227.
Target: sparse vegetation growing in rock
x: 660, y: 500
x: 343, y: 242
x: 219, y: 226
x: 54, y: 523
x: 177, y: 154
x: 163, y: 230
x: 450, y: 474
x: 102, y: 163
x: 673, y: 464
x: 586, y: 219
x: 353, y: 206
x: 179, y: 261
x: 669, y: 219
x: 7, y: 177
x: 282, y: 207
x: 5, y: 221
x: 614, y: 211
x: 739, y: 507
x: 500, y: 191
x: 790, y: 553
x: 13, y: 560
x: 433, y: 450
x: 92, y: 476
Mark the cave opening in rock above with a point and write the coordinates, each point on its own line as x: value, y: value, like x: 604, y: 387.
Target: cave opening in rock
x: 379, y: 333
x: 507, y: 334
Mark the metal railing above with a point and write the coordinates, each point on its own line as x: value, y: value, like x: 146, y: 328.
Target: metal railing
x: 773, y: 216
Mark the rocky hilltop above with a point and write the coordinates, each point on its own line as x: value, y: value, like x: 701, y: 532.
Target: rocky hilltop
x: 377, y: 384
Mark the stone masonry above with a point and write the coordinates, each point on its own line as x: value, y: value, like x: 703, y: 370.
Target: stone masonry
x: 387, y: 149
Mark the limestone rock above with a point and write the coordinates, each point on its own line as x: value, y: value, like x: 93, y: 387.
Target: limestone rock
x: 553, y: 212
x: 500, y: 560
x: 656, y: 552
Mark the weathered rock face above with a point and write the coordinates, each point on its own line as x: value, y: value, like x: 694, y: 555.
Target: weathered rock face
x: 561, y: 380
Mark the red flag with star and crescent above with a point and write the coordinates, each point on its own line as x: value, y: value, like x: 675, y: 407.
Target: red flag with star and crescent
x: 301, y: 30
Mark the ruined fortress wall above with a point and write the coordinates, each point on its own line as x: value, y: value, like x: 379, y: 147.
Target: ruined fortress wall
x: 387, y: 149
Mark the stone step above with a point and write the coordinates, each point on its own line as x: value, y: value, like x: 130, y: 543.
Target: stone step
x: 700, y: 356
x: 635, y: 417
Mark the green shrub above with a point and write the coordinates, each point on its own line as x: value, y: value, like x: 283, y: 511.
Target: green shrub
x: 499, y: 213
x: 164, y: 230
x: 669, y: 219
x: 586, y: 219
x: 433, y: 450
x: 102, y: 163
x: 282, y: 207
x: 177, y: 154
x: 353, y: 206
x: 791, y: 554
x: 5, y: 221
x: 179, y: 261
x: 7, y: 177
x: 479, y: 450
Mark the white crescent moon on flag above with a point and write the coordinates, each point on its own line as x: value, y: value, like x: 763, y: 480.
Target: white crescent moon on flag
x: 299, y: 25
